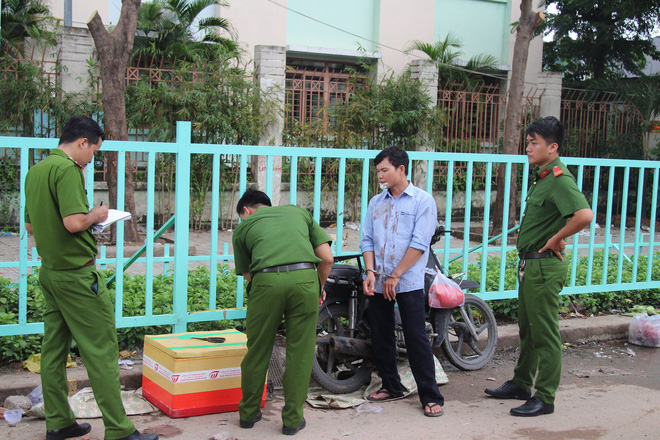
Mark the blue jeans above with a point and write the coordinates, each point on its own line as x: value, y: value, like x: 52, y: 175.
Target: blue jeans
x: 413, y: 318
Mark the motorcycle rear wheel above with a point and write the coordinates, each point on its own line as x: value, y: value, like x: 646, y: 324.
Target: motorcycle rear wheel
x: 336, y: 372
x: 458, y: 346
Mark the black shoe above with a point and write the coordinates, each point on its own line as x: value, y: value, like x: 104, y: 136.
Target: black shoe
x: 74, y: 430
x: 137, y: 436
x: 533, y: 407
x: 509, y: 390
x: 247, y: 425
x: 294, y: 431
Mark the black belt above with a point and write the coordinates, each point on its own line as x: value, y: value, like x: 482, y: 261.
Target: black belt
x: 288, y: 267
x: 536, y: 255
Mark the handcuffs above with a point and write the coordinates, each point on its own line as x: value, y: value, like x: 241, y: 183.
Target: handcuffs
x: 388, y: 275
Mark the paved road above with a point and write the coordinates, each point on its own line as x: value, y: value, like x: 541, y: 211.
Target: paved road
x: 608, y: 391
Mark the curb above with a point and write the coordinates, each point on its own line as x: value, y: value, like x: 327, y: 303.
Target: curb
x: 574, y: 331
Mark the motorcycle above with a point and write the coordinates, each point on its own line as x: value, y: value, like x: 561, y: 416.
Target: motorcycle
x: 343, y: 363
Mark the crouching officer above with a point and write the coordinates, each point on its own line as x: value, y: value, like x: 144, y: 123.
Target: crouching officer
x: 286, y: 257
x: 555, y: 210
x: 77, y: 304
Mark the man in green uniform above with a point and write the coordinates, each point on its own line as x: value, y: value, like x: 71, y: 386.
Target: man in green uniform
x: 555, y: 210
x: 77, y: 303
x: 277, y: 249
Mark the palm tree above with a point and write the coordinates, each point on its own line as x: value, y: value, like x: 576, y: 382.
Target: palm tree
x: 643, y: 94
x: 165, y: 29
x: 447, y: 53
x: 22, y: 19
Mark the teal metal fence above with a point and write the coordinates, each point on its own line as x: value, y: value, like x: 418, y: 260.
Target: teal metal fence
x: 610, y: 257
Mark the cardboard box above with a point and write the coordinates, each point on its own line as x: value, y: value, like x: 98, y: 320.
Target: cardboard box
x: 185, y: 376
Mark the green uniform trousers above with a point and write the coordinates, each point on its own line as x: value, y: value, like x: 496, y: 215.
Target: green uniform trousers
x: 74, y: 310
x: 538, y: 322
x: 296, y: 296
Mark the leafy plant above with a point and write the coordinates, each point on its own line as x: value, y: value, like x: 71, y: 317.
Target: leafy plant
x: 391, y: 112
x: 226, y: 107
x: 9, y: 172
x: 592, y: 303
x: 134, y: 287
x: 163, y: 285
x: 165, y: 28
x: 19, y: 347
x: 22, y: 19
x: 447, y: 53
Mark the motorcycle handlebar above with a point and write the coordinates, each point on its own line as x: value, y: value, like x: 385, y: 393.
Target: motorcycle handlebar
x: 437, y: 235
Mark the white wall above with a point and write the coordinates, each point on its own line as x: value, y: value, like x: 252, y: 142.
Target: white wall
x: 400, y: 24
x: 256, y: 22
x: 82, y: 11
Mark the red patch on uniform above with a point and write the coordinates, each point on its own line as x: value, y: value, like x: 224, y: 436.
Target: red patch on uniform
x: 544, y: 173
x: 558, y: 172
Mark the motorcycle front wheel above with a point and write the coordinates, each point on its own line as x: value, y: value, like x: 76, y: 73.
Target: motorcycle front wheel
x: 336, y: 372
x: 459, y: 346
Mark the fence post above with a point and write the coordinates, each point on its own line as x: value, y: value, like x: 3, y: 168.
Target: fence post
x: 270, y: 68
x: 550, y: 84
x: 181, y: 233
x: 425, y: 71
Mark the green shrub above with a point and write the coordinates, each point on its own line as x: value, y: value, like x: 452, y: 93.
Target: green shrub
x: 19, y: 347
x: 592, y: 303
x: 163, y: 292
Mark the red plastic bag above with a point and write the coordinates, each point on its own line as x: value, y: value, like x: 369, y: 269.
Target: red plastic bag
x: 645, y: 330
x: 445, y: 293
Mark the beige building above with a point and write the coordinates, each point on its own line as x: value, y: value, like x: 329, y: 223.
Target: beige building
x: 81, y: 10
x: 380, y: 30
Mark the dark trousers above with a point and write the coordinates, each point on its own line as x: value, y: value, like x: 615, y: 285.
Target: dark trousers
x: 413, y: 318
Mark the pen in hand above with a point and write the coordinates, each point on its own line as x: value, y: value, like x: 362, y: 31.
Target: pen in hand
x: 101, y: 203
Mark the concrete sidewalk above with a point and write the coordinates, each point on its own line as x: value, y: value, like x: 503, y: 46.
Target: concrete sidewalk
x: 575, y: 331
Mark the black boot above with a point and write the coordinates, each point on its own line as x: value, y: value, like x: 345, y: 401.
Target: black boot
x: 247, y: 425
x: 137, y: 436
x: 293, y: 431
x: 509, y: 390
x: 74, y: 430
x: 533, y: 407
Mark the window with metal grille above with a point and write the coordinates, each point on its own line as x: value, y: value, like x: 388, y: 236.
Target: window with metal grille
x: 313, y: 88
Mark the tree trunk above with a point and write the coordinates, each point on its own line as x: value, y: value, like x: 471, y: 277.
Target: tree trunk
x: 512, y: 123
x: 114, y: 51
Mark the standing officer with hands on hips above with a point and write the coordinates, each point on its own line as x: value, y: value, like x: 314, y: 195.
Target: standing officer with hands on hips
x: 77, y: 303
x: 555, y: 209
x: 397, y: 234
x: 286, y: 257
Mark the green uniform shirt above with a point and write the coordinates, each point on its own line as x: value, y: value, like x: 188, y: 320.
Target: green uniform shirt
x: 552, y: 198
x: 54, y: 189
x: 274, y: 236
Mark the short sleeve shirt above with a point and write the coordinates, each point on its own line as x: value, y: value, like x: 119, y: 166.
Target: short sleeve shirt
x: 552, y: 198
x: 274, y: 236
x: 54, y: 189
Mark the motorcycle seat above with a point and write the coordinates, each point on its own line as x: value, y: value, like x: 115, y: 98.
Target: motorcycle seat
x: 344, y: 272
